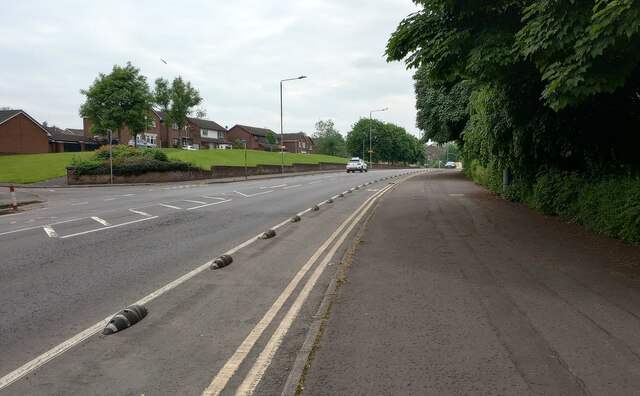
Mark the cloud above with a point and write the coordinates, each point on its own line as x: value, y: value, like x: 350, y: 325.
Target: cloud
x: 234, y: 53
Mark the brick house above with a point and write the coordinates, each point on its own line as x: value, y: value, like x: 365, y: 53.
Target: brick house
x: 62, y: 141
x: 167, y: 136
x: 212, y: 135
x: 256, y: 138
x: 21, y: 134
x: 298, y: 143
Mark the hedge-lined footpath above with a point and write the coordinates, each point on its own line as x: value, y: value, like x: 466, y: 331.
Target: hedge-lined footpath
x: 128, y: 161
x: 609, y: 205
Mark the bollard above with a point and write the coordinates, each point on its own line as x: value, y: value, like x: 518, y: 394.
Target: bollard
x: 13, y: 198
x: 221, y: 261
x: 125, y: 318
x: 506, y: 177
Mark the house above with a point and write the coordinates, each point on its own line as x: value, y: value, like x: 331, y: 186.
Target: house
x: 62, y: 141
x: 164, y: 135
x: 256, y: 138
x: 212, y: 135
x: 21, y: 134
x: 298, y: 143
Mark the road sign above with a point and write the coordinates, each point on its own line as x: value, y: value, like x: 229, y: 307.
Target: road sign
x: 370, y: 151
x: 243, y: 140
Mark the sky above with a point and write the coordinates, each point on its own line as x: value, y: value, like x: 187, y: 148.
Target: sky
x: 235, y: 53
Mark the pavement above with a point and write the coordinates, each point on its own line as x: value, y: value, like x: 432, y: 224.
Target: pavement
x: 450, y: 290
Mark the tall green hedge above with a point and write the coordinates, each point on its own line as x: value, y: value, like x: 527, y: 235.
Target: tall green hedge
x: 609, y: 205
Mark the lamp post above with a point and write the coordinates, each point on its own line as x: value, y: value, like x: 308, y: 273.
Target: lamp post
x: 281, y: 129
x: 370, y: 121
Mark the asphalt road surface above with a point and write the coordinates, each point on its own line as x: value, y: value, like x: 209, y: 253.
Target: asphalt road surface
x: 449, y: 290
x: 413, y: 283
x: 67, y: 267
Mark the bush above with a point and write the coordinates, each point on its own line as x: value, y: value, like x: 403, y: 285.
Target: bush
x: 610, y: 205
x: 128, y: 161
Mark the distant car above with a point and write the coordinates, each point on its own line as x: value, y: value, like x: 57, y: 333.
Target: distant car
x: 141, y: 143
x: 450, y: 165
x: 356, y: 164
x: 191, y: 148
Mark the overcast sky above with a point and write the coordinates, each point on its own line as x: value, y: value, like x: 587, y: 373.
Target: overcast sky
x: 235, y: 52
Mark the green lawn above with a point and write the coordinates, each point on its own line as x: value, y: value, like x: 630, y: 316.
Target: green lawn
x: 31, y: 168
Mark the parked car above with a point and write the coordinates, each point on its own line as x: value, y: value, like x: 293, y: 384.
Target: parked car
x: 450, y: 165
x: 191, y: 148
x: 141, y: 143
x: 356, y: 164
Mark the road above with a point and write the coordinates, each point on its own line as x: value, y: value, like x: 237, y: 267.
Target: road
x: 90, y: 252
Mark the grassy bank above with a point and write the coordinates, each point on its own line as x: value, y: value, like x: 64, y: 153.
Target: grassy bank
x: 31, y: 168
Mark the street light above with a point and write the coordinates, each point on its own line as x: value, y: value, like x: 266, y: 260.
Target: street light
x: 370, y: 121
x: 281, y: 129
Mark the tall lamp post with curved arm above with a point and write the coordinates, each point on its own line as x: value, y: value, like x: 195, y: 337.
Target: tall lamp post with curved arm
x: 370, y: 122
x: 281, y: 129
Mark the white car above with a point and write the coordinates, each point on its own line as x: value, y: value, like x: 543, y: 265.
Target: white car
x: 356, y: 164
x: 141, y: 143
x: 190, y: 148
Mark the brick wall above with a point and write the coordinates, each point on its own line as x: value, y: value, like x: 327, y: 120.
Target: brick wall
x: 20, y: 135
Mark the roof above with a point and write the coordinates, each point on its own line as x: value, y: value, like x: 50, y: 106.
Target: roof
x: 71, y: 131
x: 206, y: 124
x: 255, y: 131
x: 58, y: 135
x: 6, y: 115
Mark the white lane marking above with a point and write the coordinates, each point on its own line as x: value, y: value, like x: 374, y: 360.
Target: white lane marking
x: 108, y: 227
x: 372, y: 189
x: 198, y: 202
x: 257, y: 371
x: 229, y: 369
x: 36, y: 227
x: 79, y: 203
x: 294, y: 186
x: 111, y: 199
x: 169, y: 206
x: 456, y: 195
x: 253, y: 195
x: 209, y: 204
x: 139, y: 212
x: 101, y: 221
x: 50, y: 231
x: 335, y: 178
x: 316, y: 182
x: 208, y: 197
x: 128, y: 195
x: 276, y: 186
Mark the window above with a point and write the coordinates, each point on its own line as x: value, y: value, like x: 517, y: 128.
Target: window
x: 150, y: 138
x: 204, y: 133
x: 153, y: 123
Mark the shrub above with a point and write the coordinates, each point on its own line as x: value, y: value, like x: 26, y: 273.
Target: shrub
x: 129, y: 161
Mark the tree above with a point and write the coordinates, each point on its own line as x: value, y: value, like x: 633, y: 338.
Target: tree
x: 117, y: 100
x: 271, y: 138
x: 328, y: 140
x: 550, y: 84
x: 177, y: 100
x: 389, y: 142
